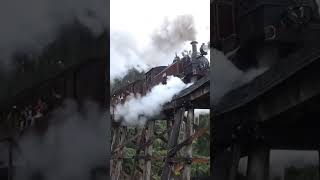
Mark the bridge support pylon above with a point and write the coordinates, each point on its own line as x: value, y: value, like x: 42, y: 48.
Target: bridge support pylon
x: 236, y: 154
x: 188, y: 149
x: 148, y: 150
x: 258, y: 163
x: 220, y: 166
x: 172, y: 142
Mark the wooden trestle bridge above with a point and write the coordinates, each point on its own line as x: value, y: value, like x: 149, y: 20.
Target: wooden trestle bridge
x: 181, y: 133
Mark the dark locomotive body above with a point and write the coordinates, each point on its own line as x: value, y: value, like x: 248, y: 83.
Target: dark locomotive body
x: 188, y: 68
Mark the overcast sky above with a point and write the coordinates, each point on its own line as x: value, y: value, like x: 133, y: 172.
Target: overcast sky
x: 132, y: 24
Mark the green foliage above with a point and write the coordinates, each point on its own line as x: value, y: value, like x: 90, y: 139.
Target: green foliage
x: 128, y: 163
x: 201, y: 148
x: 131, y: 76
x: 202, y: 144
x: 159, y: 149
x: 200, y: 170
x: 129, y: 152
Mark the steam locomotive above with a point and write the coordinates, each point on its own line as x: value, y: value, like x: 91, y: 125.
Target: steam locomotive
x: 190, y: 67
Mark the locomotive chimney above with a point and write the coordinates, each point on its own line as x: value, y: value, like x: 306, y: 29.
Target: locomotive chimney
x: 194, y: 48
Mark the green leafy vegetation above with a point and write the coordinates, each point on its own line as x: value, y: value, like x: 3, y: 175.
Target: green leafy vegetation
x: 201, y: 148
x: 131, y: 76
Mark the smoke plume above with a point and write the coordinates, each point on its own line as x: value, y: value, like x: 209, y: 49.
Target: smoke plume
x: 28, y: 26
x: 164, y: 42
x: 226, y: 76
x: 172, y: 34
x: 137, y: 109
x: 74, y: 144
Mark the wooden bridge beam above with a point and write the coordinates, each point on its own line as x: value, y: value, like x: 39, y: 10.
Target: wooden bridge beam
x: 173, y: 141
x: 141, y: 133
x: 188, y: 149
x: 220, y: 163
x: 148, y: 150
x: 258, y: 163
x: 319, y: 164
x: 119, y: 138
x: 236, y: 154
x: 224, y: 165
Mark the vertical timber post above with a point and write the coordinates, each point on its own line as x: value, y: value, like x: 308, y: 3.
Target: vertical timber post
x: 118, y: 165
x: 148, y: 151
x: 169, y: 126
x: 220, y: 163
x: 114, y: 145
x: 188, y: 148
x: 319, y: 164
x: 10, y: 164
x: 172, y: 142
x: 10, y: 141
x: 258, y: 163
x: 136, y: 161
x: 236, y: 154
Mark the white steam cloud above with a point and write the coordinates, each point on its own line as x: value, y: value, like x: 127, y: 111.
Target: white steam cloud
x: 28, y: 26
x: 226, y: 76
x: 198, y: 112
x: 136, y: 110
x: 74, y: 144
x: 169, y: 38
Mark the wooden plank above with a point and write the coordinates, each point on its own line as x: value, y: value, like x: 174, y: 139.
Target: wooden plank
x: 236, y: 153
x: 114, y: 143
x: 10, y: 149
x: 118, y: 163
x: 178, y: 116
x: 148, y: 151
x: 258, y: 162
x: 169, y: 126
x: 150, y: 141
x: 120, y: 147
x: 189, y: 140
x: 319, y: 164
x: 136, y: 160
x: 188, y: 149
x: 162, y: 138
